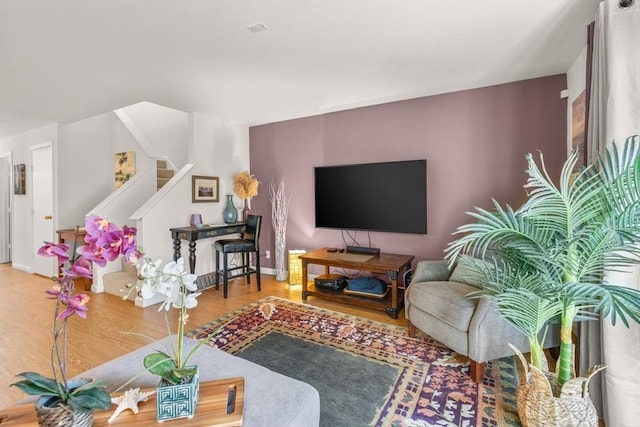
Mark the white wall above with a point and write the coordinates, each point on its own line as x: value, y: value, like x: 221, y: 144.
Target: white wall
x: 217, y: 148
x: 86, y: 164
x: 83, y: 154
x: 23, y: 253
x: 164, y: 128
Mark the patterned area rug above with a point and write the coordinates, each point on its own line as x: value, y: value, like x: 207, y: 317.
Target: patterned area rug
x: 428, y: 386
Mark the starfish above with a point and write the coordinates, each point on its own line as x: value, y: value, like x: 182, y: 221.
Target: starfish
x: 129, y: 400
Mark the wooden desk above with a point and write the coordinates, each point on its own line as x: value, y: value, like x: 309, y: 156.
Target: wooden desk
x: 192, y: 234
x: 71, y: 236
x: 389, y: 264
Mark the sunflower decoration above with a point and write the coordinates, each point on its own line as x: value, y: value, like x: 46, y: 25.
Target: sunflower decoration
x: 245, y: 185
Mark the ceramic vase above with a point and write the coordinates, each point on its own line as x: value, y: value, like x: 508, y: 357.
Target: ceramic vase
x: 174, y: 401
x: 230, y: 213
x: 245, y: 210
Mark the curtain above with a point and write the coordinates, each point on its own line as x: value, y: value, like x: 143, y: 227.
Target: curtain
x: 614, y: 115
x: 5, y: 230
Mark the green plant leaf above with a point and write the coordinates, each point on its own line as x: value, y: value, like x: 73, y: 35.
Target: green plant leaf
x: 161, y: 364
x: 187, y: 372
x: 90, y: 398
x: 35, y: 384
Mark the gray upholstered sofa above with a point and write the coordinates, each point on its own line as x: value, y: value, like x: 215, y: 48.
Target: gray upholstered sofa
x: 436, y: 303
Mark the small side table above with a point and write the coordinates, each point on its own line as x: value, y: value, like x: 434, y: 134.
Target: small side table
x: 69, y: 237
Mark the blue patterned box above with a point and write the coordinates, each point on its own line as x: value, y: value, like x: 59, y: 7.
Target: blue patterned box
x: 177, y: 400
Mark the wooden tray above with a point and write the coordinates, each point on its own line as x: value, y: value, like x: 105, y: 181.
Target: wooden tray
x: 210, y: 411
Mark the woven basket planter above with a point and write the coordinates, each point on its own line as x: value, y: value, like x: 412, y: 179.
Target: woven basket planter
x: 51, y: 414
x: 540, y: 404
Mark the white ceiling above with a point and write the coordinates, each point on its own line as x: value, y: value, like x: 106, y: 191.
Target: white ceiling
x: 66, y: 60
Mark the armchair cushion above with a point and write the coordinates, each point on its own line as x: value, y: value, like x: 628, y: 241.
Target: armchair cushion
x: 463, y: 274
x: 446, y: 301
x: 428, y: 271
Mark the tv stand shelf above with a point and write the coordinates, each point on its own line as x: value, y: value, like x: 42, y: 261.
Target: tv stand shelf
x: 393, y: 265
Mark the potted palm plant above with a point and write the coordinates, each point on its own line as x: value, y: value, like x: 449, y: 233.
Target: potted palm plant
x: 547, y: 261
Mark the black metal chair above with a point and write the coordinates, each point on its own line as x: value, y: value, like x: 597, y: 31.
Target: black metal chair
x: 246, y: 245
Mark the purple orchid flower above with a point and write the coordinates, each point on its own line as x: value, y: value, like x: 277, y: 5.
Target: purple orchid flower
x: 80, y: 268
x: 54, y: 291
x: 132, y: 255
x: 59, y: 250
x: 129, y: 238
x: 96, y: 227
x: 111, y: 243
x: 94, y: 253
x: 76, y: 304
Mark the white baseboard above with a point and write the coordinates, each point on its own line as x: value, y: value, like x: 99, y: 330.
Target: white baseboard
x: 24, y: 268
x: 270, y: 271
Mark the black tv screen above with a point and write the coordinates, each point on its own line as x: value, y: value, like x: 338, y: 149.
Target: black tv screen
x: 389, y: 196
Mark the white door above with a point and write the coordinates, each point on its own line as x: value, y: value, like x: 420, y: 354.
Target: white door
x: 42, y: 197
x: 5, y: 208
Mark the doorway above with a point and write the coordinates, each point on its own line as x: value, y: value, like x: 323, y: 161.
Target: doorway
x: 5, y: 208
x: 42, y: 202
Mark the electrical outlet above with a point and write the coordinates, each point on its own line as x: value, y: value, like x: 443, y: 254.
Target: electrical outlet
x: 267, y: 254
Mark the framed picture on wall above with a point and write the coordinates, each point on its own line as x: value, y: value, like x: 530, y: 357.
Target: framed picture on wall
x: 204, y: 189
x: 19, y: 179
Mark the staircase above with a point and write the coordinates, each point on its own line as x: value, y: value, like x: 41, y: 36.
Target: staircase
x: 164, y: 174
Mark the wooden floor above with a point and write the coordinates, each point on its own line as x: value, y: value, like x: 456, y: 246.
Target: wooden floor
x: 27, y: 318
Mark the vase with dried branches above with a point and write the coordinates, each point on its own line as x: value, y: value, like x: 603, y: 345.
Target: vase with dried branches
x: 245, y: 186
x: 279, y: 212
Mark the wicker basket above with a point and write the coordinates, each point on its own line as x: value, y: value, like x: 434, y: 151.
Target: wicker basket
x: 540, y: 406
x: 51, y: 414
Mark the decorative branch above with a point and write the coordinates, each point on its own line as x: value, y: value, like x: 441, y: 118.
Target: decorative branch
x: 279, y: 212
x: 279, y: 206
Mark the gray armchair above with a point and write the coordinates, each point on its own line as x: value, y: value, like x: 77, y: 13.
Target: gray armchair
x: 436, y: 304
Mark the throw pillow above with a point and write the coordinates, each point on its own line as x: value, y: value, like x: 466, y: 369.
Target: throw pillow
x: 464, y: 274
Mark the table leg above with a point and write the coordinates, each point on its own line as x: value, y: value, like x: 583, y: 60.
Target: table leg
x: 192, y: 257
x: 392, y: 310
x: 305, y: 278
x: 176, y: 249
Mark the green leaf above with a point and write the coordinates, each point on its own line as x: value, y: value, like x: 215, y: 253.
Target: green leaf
x: 90, y: 398
x: 92, y: 384
x: 187, y: 372
x: 35, y: 384
x: 161, y: 364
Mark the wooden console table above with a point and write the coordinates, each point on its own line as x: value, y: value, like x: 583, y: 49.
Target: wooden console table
x: 390, y: 264
x: 192, y: 234
x: 71, y: 237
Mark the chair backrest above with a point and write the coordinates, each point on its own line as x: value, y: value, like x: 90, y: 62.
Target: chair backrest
x: 252, y: 229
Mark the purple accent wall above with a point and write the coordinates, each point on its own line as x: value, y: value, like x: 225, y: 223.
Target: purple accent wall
x: 475, y: 142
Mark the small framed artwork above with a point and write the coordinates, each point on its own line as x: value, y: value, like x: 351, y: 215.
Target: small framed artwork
x: 125, y: 167
x: 19, y: 180
x: 204, y: 189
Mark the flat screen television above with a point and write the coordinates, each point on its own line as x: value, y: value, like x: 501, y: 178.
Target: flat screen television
x: 388, y: 196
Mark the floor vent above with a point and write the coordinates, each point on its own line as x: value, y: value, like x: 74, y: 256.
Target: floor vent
x: 206, y: 281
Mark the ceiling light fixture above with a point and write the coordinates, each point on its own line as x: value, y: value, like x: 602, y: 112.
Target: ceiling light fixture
x: 257, y: 27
